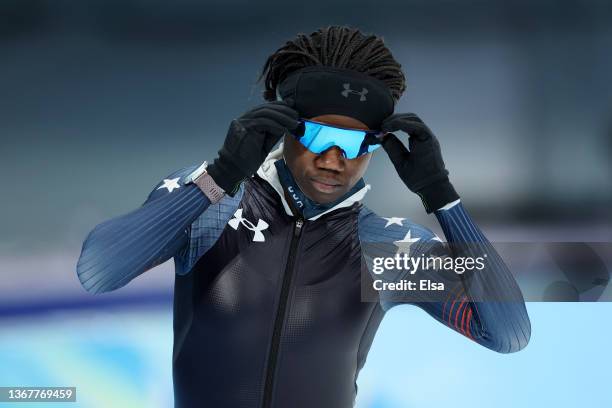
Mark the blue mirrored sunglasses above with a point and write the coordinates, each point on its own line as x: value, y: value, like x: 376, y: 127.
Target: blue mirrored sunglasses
x: 318, y: 137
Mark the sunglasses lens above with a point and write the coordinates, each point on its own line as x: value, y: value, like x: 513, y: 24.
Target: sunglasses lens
x: 318, y: 137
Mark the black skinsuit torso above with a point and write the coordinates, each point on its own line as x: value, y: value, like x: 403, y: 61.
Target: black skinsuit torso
x: 278, y: 323
x: 268, y: 313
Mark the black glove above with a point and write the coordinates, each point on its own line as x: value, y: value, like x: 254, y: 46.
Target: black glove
x: 249, y: 140
x: 421, y: 168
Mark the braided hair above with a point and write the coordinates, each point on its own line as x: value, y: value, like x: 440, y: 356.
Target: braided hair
x: 337, y: 47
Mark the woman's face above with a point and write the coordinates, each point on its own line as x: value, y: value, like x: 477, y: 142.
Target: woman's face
x: 327, y: 176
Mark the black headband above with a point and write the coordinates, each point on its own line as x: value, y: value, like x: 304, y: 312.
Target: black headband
x: 321, y: 90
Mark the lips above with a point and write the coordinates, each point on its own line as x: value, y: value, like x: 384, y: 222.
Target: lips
x: 325, y: 185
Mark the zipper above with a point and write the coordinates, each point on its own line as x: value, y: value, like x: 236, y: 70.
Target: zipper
x: 280, y: 314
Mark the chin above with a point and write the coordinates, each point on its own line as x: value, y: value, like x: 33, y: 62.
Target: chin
x: 322, y: 198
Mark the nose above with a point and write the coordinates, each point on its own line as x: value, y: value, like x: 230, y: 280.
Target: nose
x: 331, y: 159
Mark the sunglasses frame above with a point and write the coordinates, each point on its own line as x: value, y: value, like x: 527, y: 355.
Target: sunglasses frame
x: 374, y: 136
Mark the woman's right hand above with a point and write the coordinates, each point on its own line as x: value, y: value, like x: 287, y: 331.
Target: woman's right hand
x: 249, y: 140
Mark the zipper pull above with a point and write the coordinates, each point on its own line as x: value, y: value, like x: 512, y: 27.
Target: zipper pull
x: 299, y: 223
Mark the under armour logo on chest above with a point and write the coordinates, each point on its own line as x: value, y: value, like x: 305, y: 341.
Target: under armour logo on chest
x: 347, y: 90
x: 257, y: 229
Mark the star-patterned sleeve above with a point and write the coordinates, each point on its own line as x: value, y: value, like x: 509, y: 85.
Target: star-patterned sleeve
x: 120, y: 249
x: 484, y: 305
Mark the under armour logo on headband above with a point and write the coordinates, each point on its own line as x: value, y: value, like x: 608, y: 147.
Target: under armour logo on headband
x: 347, y: 90
x: 258, y: 235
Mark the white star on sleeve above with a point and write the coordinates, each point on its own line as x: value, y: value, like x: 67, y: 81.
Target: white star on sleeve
x: 170, y: 184
x: 394, y: 220
x: 436, y: 238
x: 403, y: 246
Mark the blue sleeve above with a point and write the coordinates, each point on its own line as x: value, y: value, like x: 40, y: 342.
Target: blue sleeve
x: 485, y: 305
x: 120, y: 249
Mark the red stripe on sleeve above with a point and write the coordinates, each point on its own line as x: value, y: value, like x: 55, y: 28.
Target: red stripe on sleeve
x: 463, y: 319
x: 469, y: 320
x: 457, y: 313
x: 450, y: 293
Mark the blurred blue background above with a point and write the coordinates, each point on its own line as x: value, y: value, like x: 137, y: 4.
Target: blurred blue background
x: 101, y: 99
